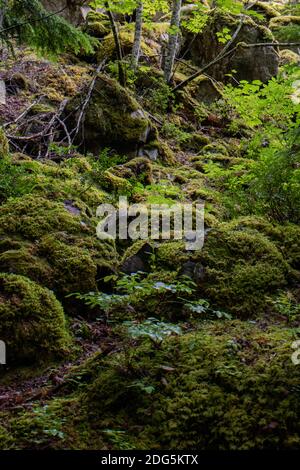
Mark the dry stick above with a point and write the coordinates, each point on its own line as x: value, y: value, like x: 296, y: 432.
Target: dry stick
x: 86, y: 101
x: 45, y: 132
x: 23, y: 113
x: 61, y: 122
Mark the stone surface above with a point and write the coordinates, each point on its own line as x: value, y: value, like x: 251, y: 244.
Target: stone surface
x: 112, y: 118
x: 69, y: 9
x: 262, y: 65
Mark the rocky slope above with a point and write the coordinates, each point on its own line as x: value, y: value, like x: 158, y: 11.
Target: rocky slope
x: 213, y: 368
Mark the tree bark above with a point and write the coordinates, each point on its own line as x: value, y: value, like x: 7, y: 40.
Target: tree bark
x: 122, y: 78
x: 173, y: 40
x: 137, y: 36
x: 3, y: 6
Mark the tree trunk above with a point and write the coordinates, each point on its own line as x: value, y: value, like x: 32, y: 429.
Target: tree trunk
x: 173, y: 40
x: 137, y: 35
x: 122, y: 78
x: 3, y: 6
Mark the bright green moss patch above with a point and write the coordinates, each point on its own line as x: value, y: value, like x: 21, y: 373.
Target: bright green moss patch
x: 226, y: 386
x: 33, y: 217
x: 242, y: 267
x: 32, y: 320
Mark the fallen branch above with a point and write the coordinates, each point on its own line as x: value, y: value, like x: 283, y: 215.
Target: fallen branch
x: 23, y: 114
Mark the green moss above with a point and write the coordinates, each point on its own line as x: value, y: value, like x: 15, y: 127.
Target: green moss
x: 113, y: 117
x: 33, y: 217
x: 267, y: 9
x: 97, y: 24
x: 284, y: 21
x: 116, y: 183
x: 32, y: 320
x: 289, y: 57
x: 227, y: 386
x: 107, y: 49
x: 63, y: 262
x: 54, y: 244
x: 215, y: 148
x: 242, y: 267
x: 4, y: 146
x: 42, y: 108
x: 23, y: 260
x: 138, y: 169
x: 166, y: 153
x: 172, y: 254
x: 285, y: 237
x: 77, y: 263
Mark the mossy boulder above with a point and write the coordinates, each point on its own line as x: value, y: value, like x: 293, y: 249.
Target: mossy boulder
x: 227, y: 386
x: 54, y: 244
x: 288, y: 57
x: 107, y: 49
x: 32, y: 217
x: 242, y: 267
x: 138, y: 169
x: 205, y: 90
x: 32, y: 322
x: 97, y: 24
x: 112, y: 118
x: 263, y: 65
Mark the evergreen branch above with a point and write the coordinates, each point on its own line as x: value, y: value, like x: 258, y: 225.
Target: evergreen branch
x: 32, y: 20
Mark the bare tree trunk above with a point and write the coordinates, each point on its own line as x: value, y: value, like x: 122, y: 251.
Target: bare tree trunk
x: 3, y: 6
x: 122, y: 78
x: 173, y: 40
x: 137, y: 35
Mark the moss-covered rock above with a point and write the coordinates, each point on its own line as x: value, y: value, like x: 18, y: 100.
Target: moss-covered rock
x: 32, y: 217
x: 54, y: 244
x: 229, y: 385
x: 107, y: 49
x: 97, y: 24
x: 112, y: 118
x: 289, y: 57
x: 262, y: 65
x: 138, y: 169
x: 205, y: 90
x: 32, y: 320
x: 242, y: 267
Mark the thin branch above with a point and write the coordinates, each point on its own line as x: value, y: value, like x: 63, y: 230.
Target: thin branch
x: 23, y: 114
x: 75, y: 131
